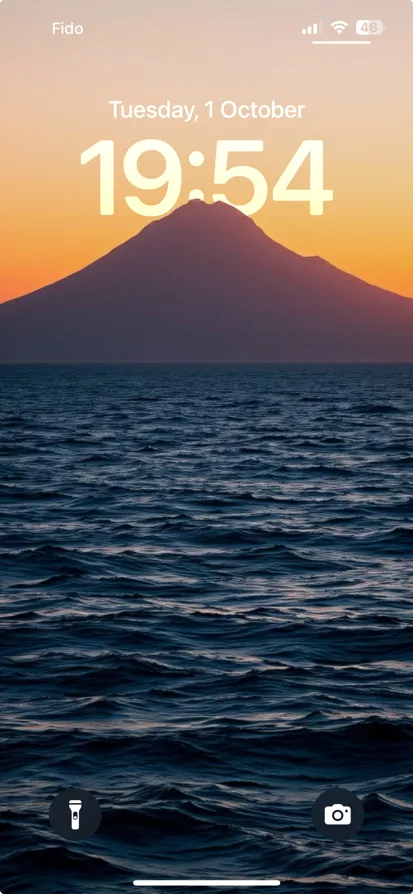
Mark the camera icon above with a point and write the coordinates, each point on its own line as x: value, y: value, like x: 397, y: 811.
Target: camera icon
x: 337, y: 815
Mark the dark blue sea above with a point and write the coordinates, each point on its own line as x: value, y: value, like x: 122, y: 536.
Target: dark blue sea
x: 206, y: 620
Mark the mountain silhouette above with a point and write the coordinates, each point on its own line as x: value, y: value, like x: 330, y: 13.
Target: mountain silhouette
x: 205, y: 284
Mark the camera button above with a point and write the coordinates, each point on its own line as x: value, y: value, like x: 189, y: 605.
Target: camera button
x: 338, y: 814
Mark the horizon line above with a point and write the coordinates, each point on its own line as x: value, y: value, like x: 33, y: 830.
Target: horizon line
x: 168, y: 363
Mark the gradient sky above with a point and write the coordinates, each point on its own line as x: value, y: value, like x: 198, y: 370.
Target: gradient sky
x: 55, y: 105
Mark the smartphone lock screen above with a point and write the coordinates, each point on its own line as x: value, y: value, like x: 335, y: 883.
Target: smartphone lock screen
x: 206, y: 446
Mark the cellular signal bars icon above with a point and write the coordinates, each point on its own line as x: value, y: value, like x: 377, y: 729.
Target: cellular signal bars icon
x: 312, y: 29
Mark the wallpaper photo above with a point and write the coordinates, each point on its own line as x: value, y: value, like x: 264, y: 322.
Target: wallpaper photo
x: 206, y: 456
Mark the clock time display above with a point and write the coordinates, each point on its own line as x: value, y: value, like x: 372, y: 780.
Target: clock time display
x: 224, y: 171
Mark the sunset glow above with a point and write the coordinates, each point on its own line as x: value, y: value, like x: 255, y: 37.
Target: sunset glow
x: 58, y: 105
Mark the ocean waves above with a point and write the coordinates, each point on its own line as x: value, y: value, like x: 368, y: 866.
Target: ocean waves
x: 206, y: 618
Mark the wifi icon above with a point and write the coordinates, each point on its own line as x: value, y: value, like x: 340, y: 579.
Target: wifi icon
x: 339, y: 27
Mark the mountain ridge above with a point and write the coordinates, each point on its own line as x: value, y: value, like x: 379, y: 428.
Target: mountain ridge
x: 205, y: 283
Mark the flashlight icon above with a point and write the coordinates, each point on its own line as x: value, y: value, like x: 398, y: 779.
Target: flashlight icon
x: 64, y: 814
x: 75, y: 808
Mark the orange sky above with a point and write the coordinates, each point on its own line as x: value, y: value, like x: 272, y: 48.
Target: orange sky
x: 358, y: 100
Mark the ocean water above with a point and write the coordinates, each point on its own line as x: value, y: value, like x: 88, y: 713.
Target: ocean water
x: 206, y: 620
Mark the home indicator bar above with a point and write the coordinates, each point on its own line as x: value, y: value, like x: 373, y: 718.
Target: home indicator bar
x: 207, y: 882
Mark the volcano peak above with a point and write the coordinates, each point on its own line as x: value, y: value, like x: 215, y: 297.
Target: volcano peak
x: 206, y: 284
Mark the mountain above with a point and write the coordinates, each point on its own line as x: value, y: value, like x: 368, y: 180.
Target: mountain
x: 206, y: 284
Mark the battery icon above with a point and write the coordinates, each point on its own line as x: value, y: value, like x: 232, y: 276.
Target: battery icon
x: 369, y: 27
